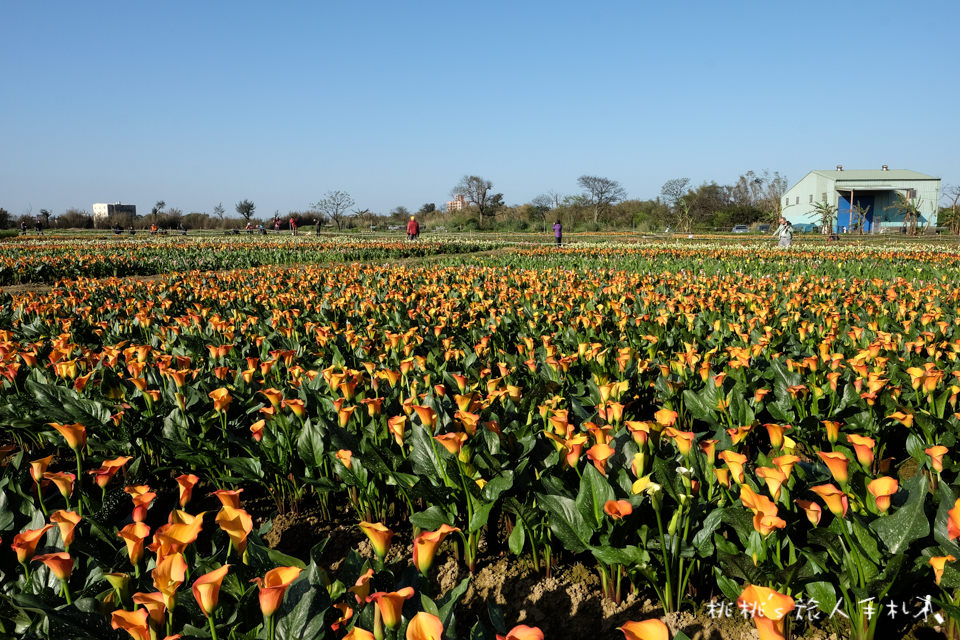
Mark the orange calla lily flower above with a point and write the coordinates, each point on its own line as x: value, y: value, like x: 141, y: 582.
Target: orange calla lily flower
x: 396, y: 426
x: 108, y: 469
x: 153, y: 603
x: 837, y: 463
x: 390, y: 605
x: 380, y: 537
x: 359, y: 634
x: 785, y: 464
x: 906, y: 419
x: 60, y: 563
x: 206, y: 589
x: 274, y: 396
x: 256, y: 430
x: 237, y: 524
x: 774, y: 479
x: 522, y: 632
x: 953, y: 521
x: 229, y: 498
x: 168, y: 576
x: 186, y: 482
x: 298, y: 407
x: 768, y: 608
x: 425, y: 546
x: 62, y: 480
x: 599, y: 454
x: 452, y: 442
x: 141, y: 503
x: 938, y: 563
x: 863, y: 448
x: 25, y: 542
x: 645, y: 630
x: 425, y: 626
x: 361, y: 588
x: 882, y: 489
x: 683, y: 439
x: 345, y: 456
x: 428, y: 417
x: 133, y: 622
x: 39, y: 467
x: 273, y: 586
x: 221, y: 399
x: 346, y: 612
x: 735, y: 462
x: 835, y: 499
x: 74, y: 434
x: 134, y: 535
x: 617, y: 509
x: 665, y: 417
x: 833, y: 430
x: 811, y: 509
x: 775, y: 431
x: 67, y: 522
x: 936, y: 454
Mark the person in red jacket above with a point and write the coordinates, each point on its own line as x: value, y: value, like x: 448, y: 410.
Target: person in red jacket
x: 293, y: 226
x: 413, y: 229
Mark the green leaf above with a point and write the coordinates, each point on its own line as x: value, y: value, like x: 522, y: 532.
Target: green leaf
x: 909, y: 522
x: 566, y: 523
x: 594, y: 492
x: 823, y: 593
x: 703, y: 540
x: 517, y: 537
x: 431, y: 518
x: 449, y: 602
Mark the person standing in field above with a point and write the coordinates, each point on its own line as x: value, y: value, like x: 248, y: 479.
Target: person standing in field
x: 413, y: 229
x: 293, y: 226
x: 558, y: 231
x: 785, y: 233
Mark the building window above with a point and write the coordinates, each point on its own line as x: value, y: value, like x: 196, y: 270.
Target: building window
x: 824, y: 196
x: 811, y: 198
x: 798, y: 200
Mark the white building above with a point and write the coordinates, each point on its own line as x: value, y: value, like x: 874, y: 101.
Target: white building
x: 102, y: 210
x: 873, y: 191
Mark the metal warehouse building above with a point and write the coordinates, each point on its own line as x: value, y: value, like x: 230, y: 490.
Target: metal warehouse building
x: 874, y: 191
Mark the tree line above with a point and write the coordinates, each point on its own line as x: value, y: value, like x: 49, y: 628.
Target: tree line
x: 600, y: 204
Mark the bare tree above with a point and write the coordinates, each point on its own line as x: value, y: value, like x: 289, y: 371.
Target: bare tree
x: 245, y: 208
x: 334, y: 205
x: 541, y: 206
x: 603, y: 192
x: 677, y: 193
x: 158, y: 208
x: 219, y: 212
x: 951, y: 213
x: 477, y: 192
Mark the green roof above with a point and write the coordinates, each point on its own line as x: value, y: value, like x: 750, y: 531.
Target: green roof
x: 875, y: 174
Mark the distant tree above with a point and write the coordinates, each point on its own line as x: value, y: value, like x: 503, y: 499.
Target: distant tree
x: 909, y: 208
x: 858, y: 217
x: 158, y: 208
x: 950, y: 214
x: 427, y: 208
x: 477, y: 192
x: 541, y: 206
x: 603, y: 192
x: 761, y: 190
x: 826, y: 213
x: 220, y: 212
x: 400, y: 212
x: 4, y: 218
x: 45, y: 215
x: 245, y: 208
x: 334, y: 205
x: 676, y: 193
x: 365, y: 216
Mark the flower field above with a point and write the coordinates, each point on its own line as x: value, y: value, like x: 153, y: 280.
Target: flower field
x: 692, y: 424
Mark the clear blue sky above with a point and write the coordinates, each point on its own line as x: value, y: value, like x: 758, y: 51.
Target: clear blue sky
x: 201, y: 102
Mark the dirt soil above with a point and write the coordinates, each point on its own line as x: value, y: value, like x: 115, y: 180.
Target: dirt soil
x: 566, y: 605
